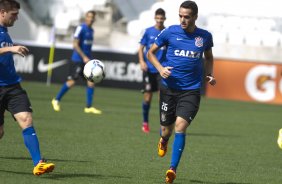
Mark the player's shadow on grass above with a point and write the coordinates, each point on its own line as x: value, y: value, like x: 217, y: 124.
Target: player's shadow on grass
x: 210, y: 135
x: 51, y: 159
x: 203, y: 134
x: 207, y: 182
x: 58, y: 176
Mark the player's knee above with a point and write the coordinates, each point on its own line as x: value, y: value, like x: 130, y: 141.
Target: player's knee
x: 70, y: 83
x: 90, y: 84
x: 24, y: 119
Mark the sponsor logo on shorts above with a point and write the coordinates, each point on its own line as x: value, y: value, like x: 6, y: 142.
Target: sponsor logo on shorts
x: 163, y: 117
x: 148, y: 87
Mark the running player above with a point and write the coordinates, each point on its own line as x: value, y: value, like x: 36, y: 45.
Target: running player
x: 151, y: 76
x: 181, y: 79
x: 12, y: 96
x: 83, y: 40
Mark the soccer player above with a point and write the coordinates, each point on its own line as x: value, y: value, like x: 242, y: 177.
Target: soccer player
x: 12, y: 96
x: 150, y: 74
x: 83, y: 40
x: 181, y: 79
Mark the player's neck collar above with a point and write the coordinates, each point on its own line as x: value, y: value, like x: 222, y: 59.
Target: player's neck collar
x: 191, y: 31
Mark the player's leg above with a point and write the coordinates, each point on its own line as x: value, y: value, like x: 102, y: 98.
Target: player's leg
x: 150, y: 85
x: 186, y: 110
x: 1, y: 131
x: 29, y: 135
x: 177, y: 148
x: 19, y: 105
x: 167, y: 118
x: 147, y: 98
x: 66, y: 86
x: 2, y: 111
x: 90, y: 89
x: 165, y: 133
x: 64, y: 89
x: 74, y: 73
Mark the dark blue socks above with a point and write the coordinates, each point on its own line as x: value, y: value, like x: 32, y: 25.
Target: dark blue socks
x: 145, y: 108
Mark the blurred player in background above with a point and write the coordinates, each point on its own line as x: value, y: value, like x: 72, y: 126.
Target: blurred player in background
x: 181, y: 79
x: 151, y: 76
x: 83, y: 41
x: 12, y: 96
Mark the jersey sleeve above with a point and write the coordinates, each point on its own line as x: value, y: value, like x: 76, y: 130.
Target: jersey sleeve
x: 77, y: 33
x: 209, y: 41
x: 144, y: 38
x: 162, y: 38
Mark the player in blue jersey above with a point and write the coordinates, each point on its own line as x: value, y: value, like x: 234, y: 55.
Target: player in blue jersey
x: 182, y: 74
x: 13, y: 97
x: 150, y: 73
x: 83, y: 40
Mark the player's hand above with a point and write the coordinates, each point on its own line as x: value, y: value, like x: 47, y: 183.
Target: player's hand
x: 143, y: 66
x: 165, y: 72
x: 211, y: 80
x: 21, y: 50
x: 85, y: 59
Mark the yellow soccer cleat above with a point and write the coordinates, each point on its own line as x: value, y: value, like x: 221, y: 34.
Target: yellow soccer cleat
x: 92, y: 110
x: 170, y: 176
x: 162, y: 148
x: 56, y: 105
x: 43, y: 167
x: 279, y: 140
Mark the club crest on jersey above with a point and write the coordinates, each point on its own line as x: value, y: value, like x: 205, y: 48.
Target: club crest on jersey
x: 199, y: 41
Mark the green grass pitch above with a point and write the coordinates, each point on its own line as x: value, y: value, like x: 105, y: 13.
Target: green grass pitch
x: 228, y: 142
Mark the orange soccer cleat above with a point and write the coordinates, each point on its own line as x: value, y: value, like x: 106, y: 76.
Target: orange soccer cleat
x: 43, y: 167
x: 162, y: 147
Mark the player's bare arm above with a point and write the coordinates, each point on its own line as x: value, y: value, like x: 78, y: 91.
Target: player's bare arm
x: 80, y: 52
x: 209, y: 67
x: 164, y: 71
x: 21, y: 50
x: 142, y: 62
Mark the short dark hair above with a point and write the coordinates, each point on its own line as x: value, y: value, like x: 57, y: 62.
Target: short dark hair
x: 92, y: 12
x: 190, y: 5
x: 160, y: 11
x: 9, y: 4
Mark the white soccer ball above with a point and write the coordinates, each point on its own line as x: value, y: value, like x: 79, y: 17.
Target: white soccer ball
x: 94, y: 71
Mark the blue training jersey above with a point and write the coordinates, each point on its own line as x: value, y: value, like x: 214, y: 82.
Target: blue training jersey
x: 147, y: 40
x: 185, y: 55
x: 8, y: 74
x: 85, y: 36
